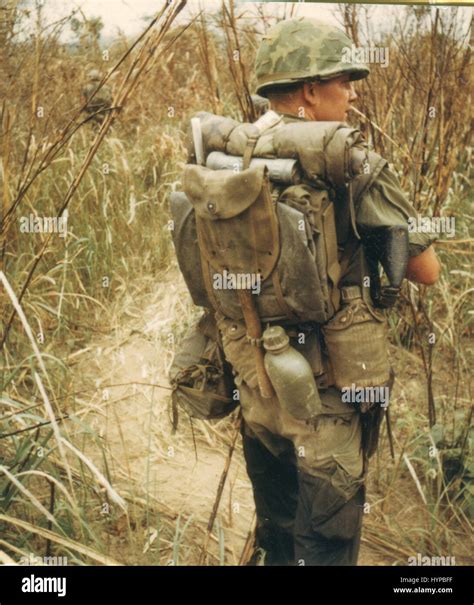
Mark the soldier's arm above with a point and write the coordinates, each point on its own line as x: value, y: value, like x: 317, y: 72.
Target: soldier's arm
x: 385, y: 204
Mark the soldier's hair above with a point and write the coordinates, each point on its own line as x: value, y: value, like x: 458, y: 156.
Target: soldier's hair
x: 282, y: 90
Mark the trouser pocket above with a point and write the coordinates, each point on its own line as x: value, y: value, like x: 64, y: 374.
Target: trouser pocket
x: 331, y: 515
x: 327, y: 526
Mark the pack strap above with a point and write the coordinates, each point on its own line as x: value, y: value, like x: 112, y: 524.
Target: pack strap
x: 346, y: 256
x: 333, y: 268
x: 249, y: 149
x: 352, y: 240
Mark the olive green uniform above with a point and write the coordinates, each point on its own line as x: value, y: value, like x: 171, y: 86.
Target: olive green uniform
x: 321, y: 468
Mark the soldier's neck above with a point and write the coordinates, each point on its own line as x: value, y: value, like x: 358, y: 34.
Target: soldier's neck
x: 289, y: 112
x: 292, y: 116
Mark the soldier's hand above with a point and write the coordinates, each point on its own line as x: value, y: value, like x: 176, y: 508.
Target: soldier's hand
x: 424, y: 268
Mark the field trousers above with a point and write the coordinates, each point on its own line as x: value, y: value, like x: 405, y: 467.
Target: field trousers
x: 301, y: 519
x: 308, y: 481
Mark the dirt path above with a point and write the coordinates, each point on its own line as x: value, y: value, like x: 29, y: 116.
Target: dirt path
x: 180, y: 471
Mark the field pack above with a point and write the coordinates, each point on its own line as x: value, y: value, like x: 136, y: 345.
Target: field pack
x: 269, y: 213
x: 240, y: 228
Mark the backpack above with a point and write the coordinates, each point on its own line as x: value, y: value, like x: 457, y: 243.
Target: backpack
x: 247, y: 224
x: 271, y: 229
x: 228, y: 234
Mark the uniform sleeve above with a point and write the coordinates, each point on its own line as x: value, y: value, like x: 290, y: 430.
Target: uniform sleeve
x: 385, y: 204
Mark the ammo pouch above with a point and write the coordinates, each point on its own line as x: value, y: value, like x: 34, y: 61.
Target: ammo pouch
x: 238, y: 237
x: 357, y: 344
x: 200, y: 376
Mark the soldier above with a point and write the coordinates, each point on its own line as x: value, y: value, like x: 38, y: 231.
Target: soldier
x: 309, y: 484
x: 307, y: 471
x: 97, y: 104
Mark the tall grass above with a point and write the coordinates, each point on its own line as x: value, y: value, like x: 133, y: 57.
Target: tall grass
x: 113, y: 183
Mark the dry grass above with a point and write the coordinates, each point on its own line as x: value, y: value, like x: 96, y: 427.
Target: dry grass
x: 87, y: 467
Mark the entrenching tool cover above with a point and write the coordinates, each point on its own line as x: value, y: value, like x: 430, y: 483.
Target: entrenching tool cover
x: 235, y: 219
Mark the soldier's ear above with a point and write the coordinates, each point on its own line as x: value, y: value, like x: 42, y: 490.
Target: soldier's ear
x: 311, y: 93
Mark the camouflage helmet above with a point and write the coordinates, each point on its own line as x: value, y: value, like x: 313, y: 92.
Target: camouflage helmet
x: 301, y: 49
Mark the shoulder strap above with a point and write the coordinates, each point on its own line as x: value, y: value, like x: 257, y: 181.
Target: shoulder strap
x: 248, y: 151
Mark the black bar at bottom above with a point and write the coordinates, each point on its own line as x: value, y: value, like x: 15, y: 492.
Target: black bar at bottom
x: 135, y: 584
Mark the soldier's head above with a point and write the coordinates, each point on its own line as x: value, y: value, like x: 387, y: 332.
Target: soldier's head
x: 94, y: 75
x: 301, y: 68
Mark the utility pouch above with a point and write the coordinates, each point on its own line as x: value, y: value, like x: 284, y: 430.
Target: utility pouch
x: 200, y: 376
x: 318, y: 210
x: 236, y: 222
x: 237, y: 348
x: 357, y: 344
